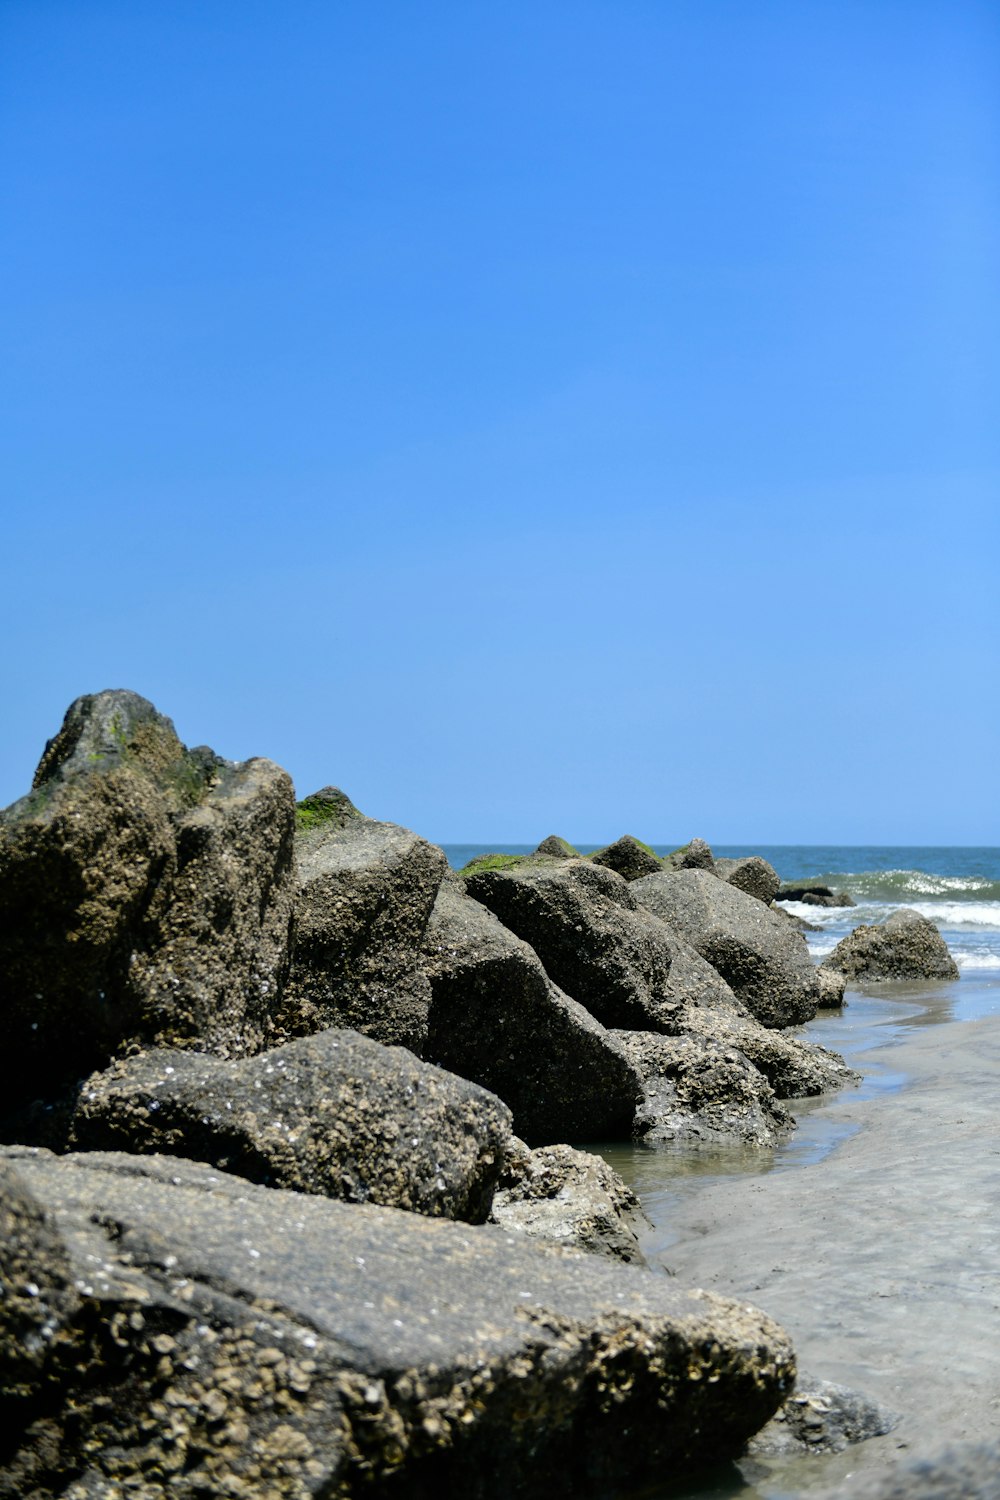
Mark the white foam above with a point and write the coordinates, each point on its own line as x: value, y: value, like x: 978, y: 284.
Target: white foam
x: 976, y: 960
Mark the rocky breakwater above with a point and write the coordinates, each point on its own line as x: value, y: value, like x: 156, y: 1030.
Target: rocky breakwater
x: 244, y: 1248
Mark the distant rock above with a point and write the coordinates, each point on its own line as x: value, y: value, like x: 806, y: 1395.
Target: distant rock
x: 204, y: 1335
x: 554, y: 847
x: 752, y: 874
x: 764, y: 961
x: 628, y: 858
x: 907, y: 946
x: 815, y: 895
x: 335, y: 1114
x: 571, y: 1199
x: 693, y: 856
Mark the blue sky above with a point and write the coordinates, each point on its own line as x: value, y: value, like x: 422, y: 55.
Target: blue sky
x: 531, y: 417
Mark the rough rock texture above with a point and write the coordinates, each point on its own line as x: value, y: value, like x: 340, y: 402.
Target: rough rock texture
x: 832, y: 985
x: 145, y: 894
x: 821, y: 1417
x: 554, y: 847
x: 752, y: 874
x: 794, y: 1068
x: 907, y: 946
x: 763, y: 960
x: 496, y: 1018
x: 815, y: 895
x: 336, y: 1114
x: 571, y: 1199
x: 365, y: 893
x: 701, y: 1092
x: 963, y: 1471
x: 693, y: 856
x: 596, y: 943
x: 261, y: 1342
x: 628, y: 858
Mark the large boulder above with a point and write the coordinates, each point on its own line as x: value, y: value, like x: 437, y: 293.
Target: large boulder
x: 794, y: 1068
x: 145, y: 895
x: 751, y: 874
x: 596, y: 943
x: 696, y: 855
x: 571, y: 1199
x: 240, y: 1339
x: 554, y: 847
x: 336, y: 1114
x: 907, y: 946
x: 365, y: 893
x: 628, y: 857
x: 496, y: 1017
x: 764, y: 961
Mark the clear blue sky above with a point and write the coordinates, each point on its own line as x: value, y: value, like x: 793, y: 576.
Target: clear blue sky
x: 528, y: 416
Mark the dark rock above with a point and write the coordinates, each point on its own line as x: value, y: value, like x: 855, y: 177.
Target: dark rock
x: 794, y: 1068
x: 336, y: 1114
x: 907, y: 946
x: 597, y: 944
x: 496, y: 1018
x: 821, y: 1417
x: 699, y: 1092
x: 832, y: 985
x: 752, y: 874
x: 693, y: 856
x: 763, y: 961
x: 815, y: 895
x: 272, y: 1343
x: 628, y: 858
x: 144, y: 897
x: 963, y: 1471
x: 571, y: 1199
x: 554, y: 847
x: 365, y: 893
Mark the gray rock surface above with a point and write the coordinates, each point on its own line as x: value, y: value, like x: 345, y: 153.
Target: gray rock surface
x: 821, y: 1417
x: 699, y: 1092
x: 907, y: 946
x: 794, y: 1068
x: 832, y: 987
x: 693, y: 856
x: 241, y: 1340
x: 554, y: 847
x: 763, y: 960
x: 495, y: 1017
x: 365, y: 893
x: 571, y: 1199
x: 628, y: 857
x: 336, y: 1114
x: 752, y: 874
x: 145, y: 895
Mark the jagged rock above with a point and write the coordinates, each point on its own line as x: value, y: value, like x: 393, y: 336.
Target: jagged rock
x: 234, y: 1337
x: 794, y: 1068
x: 336, y: 1114
x: 821, y: 1417
x: 569, y: 1198
x: 496, y: 1018
x: 815, y: 895
x: 763, y: 960
x: 907, y: 946
x: 597, y: 944
x: 554, y: 847
x: 962, y: 1471
x: 144, y: 896
x: 752, y: 874
x: 832, y: 985
x: 693, y: 856
x: 701, y: 1092
x: 365, y: 893
x: 628, y: 858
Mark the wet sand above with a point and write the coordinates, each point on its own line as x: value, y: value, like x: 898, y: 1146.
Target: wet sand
x: 874, y: 1236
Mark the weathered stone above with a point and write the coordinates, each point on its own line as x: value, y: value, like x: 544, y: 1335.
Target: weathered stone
x: 962, y: 1471
x: 144, y: 895
x: 815, y: 895
x: 628, y: 858
x: 701, y: 1092
x: 907, y: 946
x: 751, y: 874
x: 496, y: 1018
x: 264, y: 1342
x: 693, y: 856
x: 569, y: 1198
x: 794, y: 1068
x: 597, y: 944
x: 336, y: 1114
x: 554, y: 847
x: 365, y: 892
x: 821, y: 1417
x: 763, y: 960
x: 832, y: 985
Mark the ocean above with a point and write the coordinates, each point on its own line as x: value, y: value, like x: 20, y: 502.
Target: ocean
x: 957, y: 887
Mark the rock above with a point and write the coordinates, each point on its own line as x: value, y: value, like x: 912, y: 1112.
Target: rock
x: 815, y: 895
x: 365, y: 893
x: 693, y: 856
x: 764, y: 962
x: 571, y: 1199
x: 752, y: 874
x: 794, y: 1068
x: 907, y: 946
x: 628, y: 858
x: 963, y: 1471
x: 793, y: 919
x: 821, y: 1417
x: 495, y: 1017
x: 832, y: 985
x: 336, y: 1114
x: 597, y: 944
x: 246, y: 1340
x: 699, y: 1092
x: 554, y: 847
x: 145, y: 896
